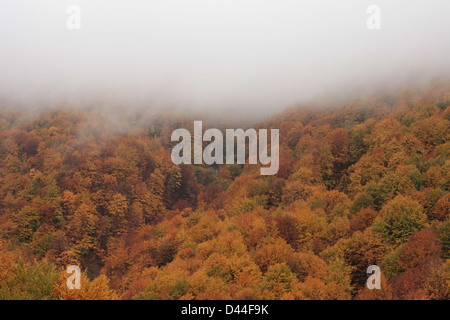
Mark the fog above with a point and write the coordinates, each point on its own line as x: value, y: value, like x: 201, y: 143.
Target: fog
x: 242, y: 57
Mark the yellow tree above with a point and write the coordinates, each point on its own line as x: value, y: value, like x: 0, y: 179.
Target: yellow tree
x: 97, y: 289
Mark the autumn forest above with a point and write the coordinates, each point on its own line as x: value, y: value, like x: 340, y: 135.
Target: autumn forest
x: 362, y: 183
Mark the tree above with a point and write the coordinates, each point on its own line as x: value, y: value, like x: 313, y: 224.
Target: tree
x: 277, y: 282
x: 422, y: 245
x: 97, y: 289
x: 270, y: 254
x: 401, y: 217
x: 385, y: 293
x: 29, y: 282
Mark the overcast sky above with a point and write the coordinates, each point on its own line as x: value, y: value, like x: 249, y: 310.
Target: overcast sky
x: 238, y: 55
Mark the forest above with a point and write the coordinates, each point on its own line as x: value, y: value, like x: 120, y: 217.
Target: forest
x: 362, y: 183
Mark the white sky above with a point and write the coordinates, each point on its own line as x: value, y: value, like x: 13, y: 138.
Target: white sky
x: 238, y: 55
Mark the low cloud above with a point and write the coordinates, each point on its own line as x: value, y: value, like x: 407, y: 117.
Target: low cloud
x: 246, y: 57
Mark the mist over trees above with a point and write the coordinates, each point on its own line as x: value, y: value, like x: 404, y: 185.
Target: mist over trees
x: 363, y: 183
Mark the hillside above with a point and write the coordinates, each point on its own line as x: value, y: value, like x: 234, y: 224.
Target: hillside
x: 360, y: 184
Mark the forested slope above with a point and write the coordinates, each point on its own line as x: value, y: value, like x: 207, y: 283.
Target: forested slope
x: 360, y: 184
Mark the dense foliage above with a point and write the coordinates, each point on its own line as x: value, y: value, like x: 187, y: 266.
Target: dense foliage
x: 361, y: 184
